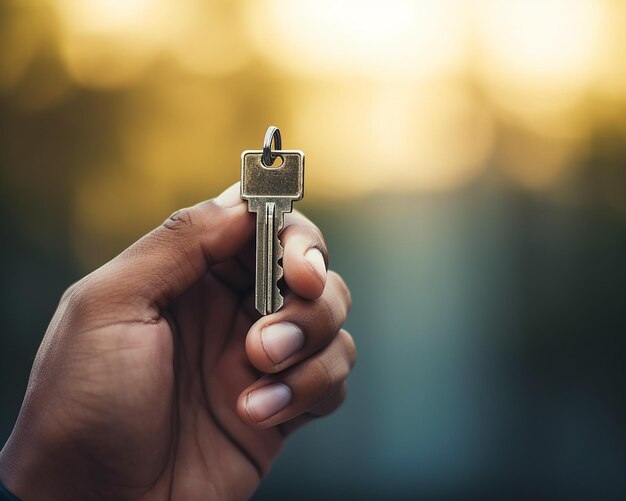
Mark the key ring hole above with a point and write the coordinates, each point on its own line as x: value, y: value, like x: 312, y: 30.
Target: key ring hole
x: 278, y: 162
x: 271, y: 136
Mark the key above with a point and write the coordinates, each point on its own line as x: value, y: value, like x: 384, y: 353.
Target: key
x: 270, y: 192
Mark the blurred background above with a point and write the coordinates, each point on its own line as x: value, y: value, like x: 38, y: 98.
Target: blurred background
x: 465, y: 159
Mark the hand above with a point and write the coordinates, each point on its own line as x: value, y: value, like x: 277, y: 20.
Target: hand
x: 157, y: 379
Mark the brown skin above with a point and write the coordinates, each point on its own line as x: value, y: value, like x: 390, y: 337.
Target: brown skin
x: 140, y: 385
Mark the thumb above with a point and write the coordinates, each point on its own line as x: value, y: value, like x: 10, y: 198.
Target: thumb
x: 172, y: 257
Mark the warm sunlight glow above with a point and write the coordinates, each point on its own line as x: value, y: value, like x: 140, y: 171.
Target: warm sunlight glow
x: 111, y: 43
x: 401, y: 95
x: 107, y: 16
x: 541, y: 40
x: 539, y: 57
x: 377, y: 40
x: 393, y: 139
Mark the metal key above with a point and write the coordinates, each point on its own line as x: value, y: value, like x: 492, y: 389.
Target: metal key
x: 270, y: 191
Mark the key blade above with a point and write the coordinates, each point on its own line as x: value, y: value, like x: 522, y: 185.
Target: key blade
x: 277, y: 269
x: 268, y: 285
x: 264, y: 247
x: 269, y: 251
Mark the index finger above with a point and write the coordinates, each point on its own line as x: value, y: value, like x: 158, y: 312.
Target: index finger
x: 305, y: 257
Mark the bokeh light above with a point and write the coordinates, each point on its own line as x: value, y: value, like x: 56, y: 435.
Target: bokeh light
x: 400, y: 96
x: 396, y: 40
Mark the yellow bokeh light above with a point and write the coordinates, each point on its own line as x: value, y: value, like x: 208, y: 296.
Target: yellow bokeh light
x: 110, y: 16
x: 112, y: 43
x: 401, y: 95
x: 392, y: 138
x: 537, y: 40
x: 20, y: 38
x: 539, y: 57
x: 377, y: 40
x: 537, y: 162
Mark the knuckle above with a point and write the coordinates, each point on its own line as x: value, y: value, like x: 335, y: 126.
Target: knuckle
x: 341, y: 395
x: 69, y: 293
x: 343, y: 370
x: 344, y: 291
x: 350, y: 347
x: 325, y: 376
x: 328, y: 319
x: 333, y: 402
x: 81, y: 296
x: 181, y: 220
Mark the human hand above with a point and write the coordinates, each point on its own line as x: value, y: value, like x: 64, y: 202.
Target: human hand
x: 157, y: 379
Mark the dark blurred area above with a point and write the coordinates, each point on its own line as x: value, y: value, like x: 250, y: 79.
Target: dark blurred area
x: 465, y: 160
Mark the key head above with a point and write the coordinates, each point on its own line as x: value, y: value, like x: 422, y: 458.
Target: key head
x: 259, y: 181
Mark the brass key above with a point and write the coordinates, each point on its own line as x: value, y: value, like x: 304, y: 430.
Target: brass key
x: 270, y: 190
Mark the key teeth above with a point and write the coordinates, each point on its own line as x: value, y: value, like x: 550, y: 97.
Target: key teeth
x: 279, y: 256
x: 278, y: 302
x: 278, y: 297
x: 279, y: 268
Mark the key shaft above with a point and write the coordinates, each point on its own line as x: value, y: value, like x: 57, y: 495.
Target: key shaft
x: 269, y: 252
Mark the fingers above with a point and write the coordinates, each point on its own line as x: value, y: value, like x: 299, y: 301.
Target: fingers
x: 299, y: 329
x: 308, y: 386
x: 328, y: 406
x: 175, y: 255
x: 305, y: 258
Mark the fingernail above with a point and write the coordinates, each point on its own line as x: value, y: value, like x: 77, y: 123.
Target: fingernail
x: 229, y: 197
x: 267, y: 401
x: 281, y: 340
x: 316, y: 260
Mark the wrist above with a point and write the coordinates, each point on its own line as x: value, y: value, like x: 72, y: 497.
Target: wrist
x: 10, y: 474
x: 30, y: 469
x: 33, y: 466
x: 21, y: 473
x: 5, y: 495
